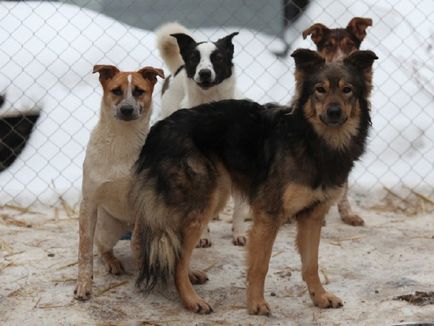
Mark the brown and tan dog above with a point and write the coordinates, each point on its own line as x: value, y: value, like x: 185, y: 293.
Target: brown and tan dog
x: 288, y: 162
x: 335, y: 44
x: 113, y: 147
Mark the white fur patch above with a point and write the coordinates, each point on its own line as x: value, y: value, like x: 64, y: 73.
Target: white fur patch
x: 129, y: 89
x: 205, y: 50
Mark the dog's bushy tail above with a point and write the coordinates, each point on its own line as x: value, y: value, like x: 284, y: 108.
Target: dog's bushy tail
x: 168, y: 46
x: 157, y: 247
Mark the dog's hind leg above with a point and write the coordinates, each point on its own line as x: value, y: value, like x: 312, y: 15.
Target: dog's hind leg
x: 345, y: 211
x: 259, y: 247
x: 190, y: 299
x: 308, y: 238
x: 108, y: 232
x: 241, y: 210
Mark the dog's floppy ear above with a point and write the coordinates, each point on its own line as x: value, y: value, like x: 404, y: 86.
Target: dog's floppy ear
x: 307, y: 60
x: 151, y: 73
x: 362, y: 60
x: 106, y: 72
x: 226, y: 42
x: 317, y: 32
x: 358, y: 26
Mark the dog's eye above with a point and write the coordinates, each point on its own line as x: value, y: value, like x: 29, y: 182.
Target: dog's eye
x: 138, y: 92
x: 320, y: 90
x: 219, y: 57
x: 117, y: 91
x: 194, y: 56
x: 347, y: 90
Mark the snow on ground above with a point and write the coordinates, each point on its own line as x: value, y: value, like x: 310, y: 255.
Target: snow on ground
x: 48, y: 50
x: 367, y: 267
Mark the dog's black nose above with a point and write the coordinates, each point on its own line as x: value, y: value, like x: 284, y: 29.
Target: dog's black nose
x: 334, y: 113
x: 127, y: 110
x: 205, y: 75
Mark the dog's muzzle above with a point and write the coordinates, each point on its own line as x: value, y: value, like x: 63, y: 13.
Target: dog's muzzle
x: 205, y: 79
x: 334, y: 116
x: 127, y: 113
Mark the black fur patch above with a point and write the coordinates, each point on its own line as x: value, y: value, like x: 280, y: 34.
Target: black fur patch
x: 15, y: 132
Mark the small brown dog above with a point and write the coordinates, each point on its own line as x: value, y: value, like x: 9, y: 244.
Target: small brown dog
x: 335, y: 44
x: 113, y: 147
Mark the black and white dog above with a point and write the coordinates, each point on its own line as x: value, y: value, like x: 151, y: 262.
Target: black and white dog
x: 201, y: 72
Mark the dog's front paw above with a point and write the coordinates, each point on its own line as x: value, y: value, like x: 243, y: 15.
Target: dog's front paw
x: 197, y: 277
x: 353, y: 219
x: 83, y: 290
x: 115, y: 267
x: 204, y: 243
x: 239, y: 240
x: 198, y: 305
x: 113, y: 264
x: 259, y: 308
x: 326, y: 300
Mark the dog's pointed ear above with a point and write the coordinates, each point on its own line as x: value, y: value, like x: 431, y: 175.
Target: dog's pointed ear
x: 361, y: 60
x: 226, y: 45
x: 358, y: 26
x: 307, y: 60
x: 184, y: 41
x: 317, y: 32
x: 151, y: 73
x: 226, y: 42
x: 106, y: 72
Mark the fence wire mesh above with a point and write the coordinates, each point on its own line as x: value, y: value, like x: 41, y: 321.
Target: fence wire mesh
x: 50, y: 100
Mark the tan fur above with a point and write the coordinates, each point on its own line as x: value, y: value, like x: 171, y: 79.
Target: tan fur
x: 168, y: 46
x: 308, y: 238
x: 296, y: 197
x: 338, y: 137
x: 259, y: 248
x: 111, y: 152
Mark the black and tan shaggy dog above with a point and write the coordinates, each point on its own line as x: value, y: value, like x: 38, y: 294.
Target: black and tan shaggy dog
x: 334, y: 44
x: 288, y: 162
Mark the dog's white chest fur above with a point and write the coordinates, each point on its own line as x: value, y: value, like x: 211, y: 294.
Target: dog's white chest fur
x: 112, y: 151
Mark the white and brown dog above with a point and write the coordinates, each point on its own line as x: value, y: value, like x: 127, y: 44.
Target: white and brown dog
x: 201, y: 72
x: 113, y: 148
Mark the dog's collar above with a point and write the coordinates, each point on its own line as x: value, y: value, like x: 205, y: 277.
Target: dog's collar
x: 178, y: 70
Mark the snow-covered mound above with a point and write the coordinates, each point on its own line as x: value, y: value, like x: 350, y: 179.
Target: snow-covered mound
x: 48, y: 50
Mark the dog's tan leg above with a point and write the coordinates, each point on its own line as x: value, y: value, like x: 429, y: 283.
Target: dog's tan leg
x: 189, y: 297
x: 238, y: 225
x: 259, y: 247
x: 347, y: 214
x: 308, y: 237
x: 108, y: 232
x: 87, y: 222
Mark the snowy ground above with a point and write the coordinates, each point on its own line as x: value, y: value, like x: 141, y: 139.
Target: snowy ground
x: 367, y: 267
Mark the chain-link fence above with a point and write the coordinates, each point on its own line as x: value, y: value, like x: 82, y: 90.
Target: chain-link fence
x: 50, y: 100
